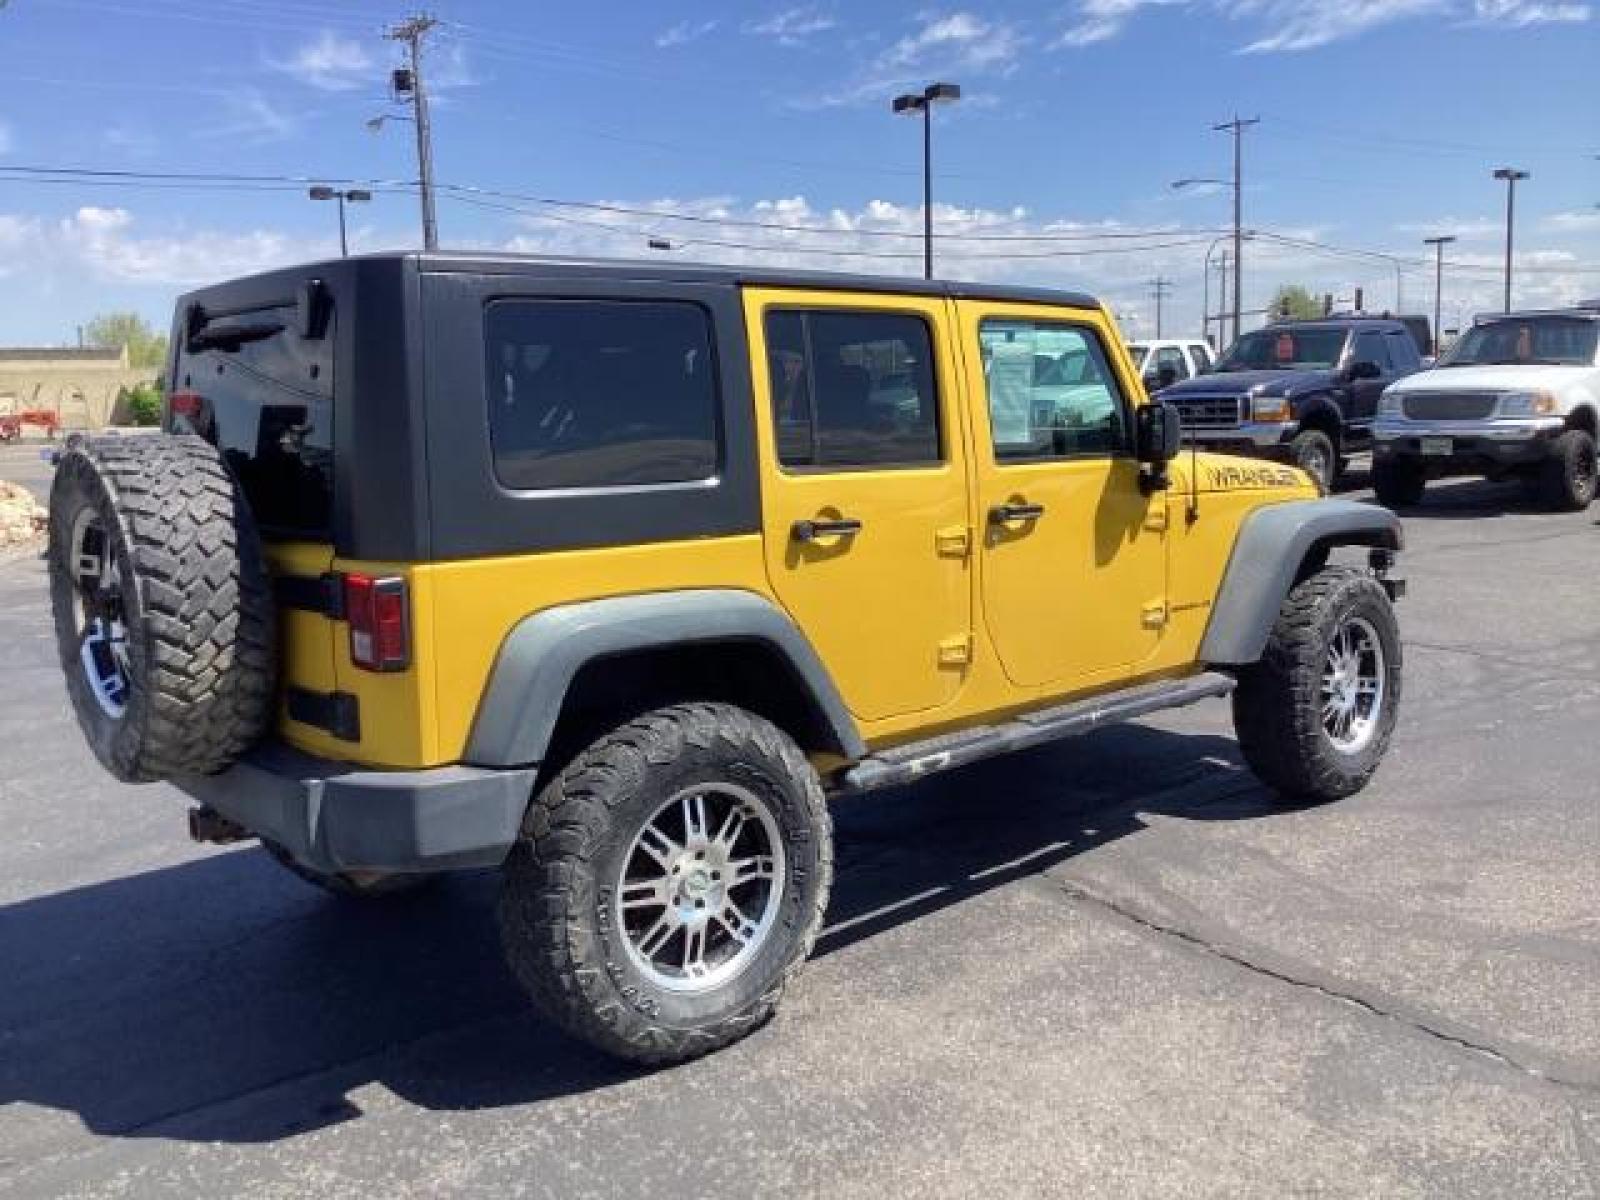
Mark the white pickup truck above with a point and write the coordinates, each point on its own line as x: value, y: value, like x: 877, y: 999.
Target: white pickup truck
x: 1517, y: 396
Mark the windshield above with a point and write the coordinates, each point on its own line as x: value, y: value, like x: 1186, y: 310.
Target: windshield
x: 1137, y: 353
x: 1285, y: 350
x: 1550, y: 341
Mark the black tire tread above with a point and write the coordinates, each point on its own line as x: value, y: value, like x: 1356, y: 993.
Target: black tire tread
x: 1277, y: 705
x: 551, y: 955
x: 205, y: 606
x: 1556, y: 479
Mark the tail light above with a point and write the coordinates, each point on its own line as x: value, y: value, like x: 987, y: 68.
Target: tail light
x: 380, y: 622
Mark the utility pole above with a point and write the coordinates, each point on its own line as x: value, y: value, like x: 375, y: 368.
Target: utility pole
x: 1159, y: 287
x: 1511, y: 175
x: 1237, y: 126
x: 411, y: 31
x: 1438, y: 244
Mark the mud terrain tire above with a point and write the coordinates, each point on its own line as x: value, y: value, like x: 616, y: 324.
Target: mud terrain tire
x: 585, y: 948
x: 163, y: 606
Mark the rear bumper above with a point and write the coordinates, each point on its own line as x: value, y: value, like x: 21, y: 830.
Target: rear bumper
x: 333, y: 818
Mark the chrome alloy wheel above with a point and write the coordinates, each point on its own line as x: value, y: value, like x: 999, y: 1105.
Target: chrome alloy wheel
x: 102, y: 633
x: 699, y: 889
x: 1354, y: 685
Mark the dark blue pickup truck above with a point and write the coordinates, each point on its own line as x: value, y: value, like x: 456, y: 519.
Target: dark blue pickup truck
x: 1302, y: 392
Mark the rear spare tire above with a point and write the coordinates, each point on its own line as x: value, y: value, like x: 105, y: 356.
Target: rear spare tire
x: 163, y: 606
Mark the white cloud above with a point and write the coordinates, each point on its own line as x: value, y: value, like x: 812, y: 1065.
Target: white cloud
x: 1465, y: 228
x: 1287, y: 25
x: 684, y: 32
x: 106, y: 243
x: 1519, y: 13
x: 793, y: 26
x: 331, y: 63
x: 1305, y: 24
x: 956, y: 40
x: 248, y: 117
x: 1573, y: 222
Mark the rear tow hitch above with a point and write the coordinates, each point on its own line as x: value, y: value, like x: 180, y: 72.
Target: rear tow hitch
x: 206, y: 824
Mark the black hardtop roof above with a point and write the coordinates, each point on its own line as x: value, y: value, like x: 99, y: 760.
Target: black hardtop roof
x: 552, y: 267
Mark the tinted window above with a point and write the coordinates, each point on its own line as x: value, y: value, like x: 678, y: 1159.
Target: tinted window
x: 1051, y: 393
x: 1171, y: 356
x: 1403, y: 350
x: 263, y: 395
x: 600, y: 393
x: 852, y: 389
x: 1568, y: 341
x: 1284, y: 349
x: 1370, y: 347
x: 1202, y: 357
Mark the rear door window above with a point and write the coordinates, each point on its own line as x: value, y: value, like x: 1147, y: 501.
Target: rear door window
x: 262, y: 393
x: 1370, y: 347
x: 600, y: 393
x: 852, y: 389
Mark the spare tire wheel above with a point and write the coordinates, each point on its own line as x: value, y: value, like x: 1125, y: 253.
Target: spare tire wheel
x: 163, y: 606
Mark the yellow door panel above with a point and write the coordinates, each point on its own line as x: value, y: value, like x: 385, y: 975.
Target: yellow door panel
x: 871, y: 558
x: 1073, y: 553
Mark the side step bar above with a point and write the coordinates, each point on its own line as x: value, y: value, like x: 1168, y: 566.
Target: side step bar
x: 903, y: 764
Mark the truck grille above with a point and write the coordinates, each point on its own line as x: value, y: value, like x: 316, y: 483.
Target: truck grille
x: 1450, y: 406
x: 1208, y: 412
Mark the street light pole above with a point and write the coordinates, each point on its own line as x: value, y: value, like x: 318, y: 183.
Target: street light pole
x: 1438, y: 244
x: 1510, y: 175
x: 923, y: 102
x: 354, y: 195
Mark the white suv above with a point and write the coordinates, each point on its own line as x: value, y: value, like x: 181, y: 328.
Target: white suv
x: 1166, y: 362
x: 1518, y: 395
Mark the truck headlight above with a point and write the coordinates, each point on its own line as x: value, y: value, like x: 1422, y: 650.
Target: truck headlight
x: 1527, y: 404
x: 1270, y: 408
x: 1391, y: 404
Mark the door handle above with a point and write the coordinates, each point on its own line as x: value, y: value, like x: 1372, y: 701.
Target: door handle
x: 810, y: 531
x: 1006, y: 514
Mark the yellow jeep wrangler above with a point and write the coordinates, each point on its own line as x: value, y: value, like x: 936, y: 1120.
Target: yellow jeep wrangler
x: 610, y: 575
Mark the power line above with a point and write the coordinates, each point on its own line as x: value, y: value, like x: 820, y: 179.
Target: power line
x: 656, y: 215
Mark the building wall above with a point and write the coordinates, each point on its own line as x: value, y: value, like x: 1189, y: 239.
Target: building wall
x: 81, y: 388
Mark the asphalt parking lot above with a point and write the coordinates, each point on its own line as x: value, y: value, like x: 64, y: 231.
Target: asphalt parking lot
x: 1113, y: 968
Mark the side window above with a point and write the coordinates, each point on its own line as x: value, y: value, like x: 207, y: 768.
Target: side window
x: 1202, y: 357
x: 1172, y: 357
x: 1370, y: 347
x: 1051, y: 392
x: 1402, y: 351
x: 586, y: 393
x: 852, y: 389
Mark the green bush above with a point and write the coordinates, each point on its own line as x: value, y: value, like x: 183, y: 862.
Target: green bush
x: 144, y: 405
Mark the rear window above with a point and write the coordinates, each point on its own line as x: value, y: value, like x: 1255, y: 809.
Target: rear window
x: 586, y: 393
x: 263, y: 395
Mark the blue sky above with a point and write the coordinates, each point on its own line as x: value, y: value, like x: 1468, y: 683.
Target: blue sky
x: 1381, y: 121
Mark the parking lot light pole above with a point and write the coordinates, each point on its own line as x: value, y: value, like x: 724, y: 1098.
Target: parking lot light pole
x: 923, y: 102
x: 1438, y: 244
x: 1511, y: 175
x: 353, y: 195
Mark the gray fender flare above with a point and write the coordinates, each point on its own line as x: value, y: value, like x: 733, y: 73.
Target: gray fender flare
x: 1271, y: 544
x: 543, y: 652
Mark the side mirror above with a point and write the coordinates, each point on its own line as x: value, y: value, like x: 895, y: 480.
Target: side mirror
x: 1158, y: 434
x: 1363, y: 369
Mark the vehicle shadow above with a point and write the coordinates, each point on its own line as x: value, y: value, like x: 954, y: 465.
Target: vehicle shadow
x: 174, y: 1003
x: 1469, y: 499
